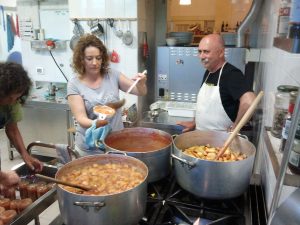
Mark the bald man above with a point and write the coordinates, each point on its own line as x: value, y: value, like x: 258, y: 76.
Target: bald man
x: 224, y: 96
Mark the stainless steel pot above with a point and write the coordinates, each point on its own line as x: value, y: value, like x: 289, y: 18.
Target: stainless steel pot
x: 124, y: 208
x: 157, y: 159
x: 210, y: 179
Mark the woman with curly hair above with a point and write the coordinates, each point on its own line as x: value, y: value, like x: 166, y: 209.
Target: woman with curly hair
x: 14, y: 89
x: 96, y: 84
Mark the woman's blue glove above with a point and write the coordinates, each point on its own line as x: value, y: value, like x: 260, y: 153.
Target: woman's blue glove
x: 94, y: 137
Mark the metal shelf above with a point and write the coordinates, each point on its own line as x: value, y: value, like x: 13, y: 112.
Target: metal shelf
x: 276, y: 157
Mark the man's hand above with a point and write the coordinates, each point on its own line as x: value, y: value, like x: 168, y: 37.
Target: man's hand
x: 33, y: 163
x: 9, y: 178
x: 188, y: 125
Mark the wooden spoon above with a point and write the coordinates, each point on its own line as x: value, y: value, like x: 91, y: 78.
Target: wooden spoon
x: 82, y: 187
x: 240, y: 124
x: 119, y: 104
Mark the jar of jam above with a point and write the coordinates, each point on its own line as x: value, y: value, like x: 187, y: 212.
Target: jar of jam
x: 5, y: 202
x: 24, y: 203
x: 282, y: 98
x: 31, y: 191
x: 41, y: 189
x: 15, y: 205
x: 2, y: 189
x: 294, y: 161
x: 2, y: 209
x: 7, y: 216
x: 10, y: 193
x: 23, y: 188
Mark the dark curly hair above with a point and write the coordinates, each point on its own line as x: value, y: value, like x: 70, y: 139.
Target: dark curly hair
x: 85, y: 41
x: 14, y: 79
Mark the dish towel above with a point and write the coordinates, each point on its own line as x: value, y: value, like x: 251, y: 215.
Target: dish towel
x: 62, y: 153
x: 94, y: 137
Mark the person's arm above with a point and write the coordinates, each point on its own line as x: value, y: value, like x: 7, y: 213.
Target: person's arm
x: 140, y: 89
x: 78, y: 110
x: 9, y: 178
x: 14, y: 135
x: 245, y: 102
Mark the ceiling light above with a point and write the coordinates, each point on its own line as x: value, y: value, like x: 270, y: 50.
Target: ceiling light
x: 185, y: 2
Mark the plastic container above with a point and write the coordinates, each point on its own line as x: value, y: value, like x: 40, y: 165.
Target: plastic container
x: 282, y: 99
x: 283, y: 18
x: 294, y: 161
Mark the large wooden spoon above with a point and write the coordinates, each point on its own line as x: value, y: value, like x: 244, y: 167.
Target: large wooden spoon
x: 240, y: 124
x: 50, y: 179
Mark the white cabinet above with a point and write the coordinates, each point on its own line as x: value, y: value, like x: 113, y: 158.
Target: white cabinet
x: 103, y: 9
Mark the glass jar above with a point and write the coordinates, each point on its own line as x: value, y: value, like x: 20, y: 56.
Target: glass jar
x: 31, y: 191
x: 294, y: 161
x: 282, y: 99
x: 288, y: 120
x: 23, y: 188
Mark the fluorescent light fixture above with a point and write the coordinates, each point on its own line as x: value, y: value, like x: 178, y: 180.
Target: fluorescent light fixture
x: 185, y: 2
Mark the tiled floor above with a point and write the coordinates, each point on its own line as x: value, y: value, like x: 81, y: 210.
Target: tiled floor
x: 6, y: 164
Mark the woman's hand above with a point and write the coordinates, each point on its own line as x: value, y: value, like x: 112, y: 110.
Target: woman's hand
x: 9, y: 178
x: 188, y: 125
x: 33, y: 163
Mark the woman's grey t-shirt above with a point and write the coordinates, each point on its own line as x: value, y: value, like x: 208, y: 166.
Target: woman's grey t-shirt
x: 108, y: 91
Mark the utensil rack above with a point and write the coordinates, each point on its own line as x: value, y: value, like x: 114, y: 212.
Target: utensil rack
x: 103, y: 19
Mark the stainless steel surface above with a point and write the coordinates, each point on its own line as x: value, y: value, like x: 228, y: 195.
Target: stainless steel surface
x: 251, y: 16
x: 162, y: 121
x: 210, y: 179
x: 285, y: 159
x: 124, y: 208
x: 288, y: 211
x: 157, y: 161
x: 179, y: 72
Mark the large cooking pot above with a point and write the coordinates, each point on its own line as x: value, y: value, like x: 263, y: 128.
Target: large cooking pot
x: 211, y: 179
x: 151, y: 146
x: 125, y: 208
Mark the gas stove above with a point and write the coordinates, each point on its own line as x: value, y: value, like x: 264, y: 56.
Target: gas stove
x: 168, y: 203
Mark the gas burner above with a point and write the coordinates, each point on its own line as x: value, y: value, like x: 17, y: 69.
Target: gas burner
x: 180, y: 208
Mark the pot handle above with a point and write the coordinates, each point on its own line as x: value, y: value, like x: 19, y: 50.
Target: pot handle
x: 87, y: 205
x: 191, y: 165
x: 116, y: 153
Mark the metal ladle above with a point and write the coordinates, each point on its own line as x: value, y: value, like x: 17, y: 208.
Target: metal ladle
x: 119, y: 104
x: 118, y: 30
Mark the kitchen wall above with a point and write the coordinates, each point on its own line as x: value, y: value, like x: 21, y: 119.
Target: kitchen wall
x: 39, y: 11
x: 276, y: 67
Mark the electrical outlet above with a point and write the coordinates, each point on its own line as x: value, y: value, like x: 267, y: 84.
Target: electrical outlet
x: 39, y: 70
x: 162, y: 76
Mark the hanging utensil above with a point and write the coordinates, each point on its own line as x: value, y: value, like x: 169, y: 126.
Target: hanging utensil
x: 118, y: 29
x: 82, y: 187
x: 127, y: 36
x: 78, y: 32
x: 119, y: 104
x: 240, y: 124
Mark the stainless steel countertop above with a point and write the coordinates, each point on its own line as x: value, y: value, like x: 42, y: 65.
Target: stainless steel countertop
x: 163, y: 122
x: 39, y: 99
